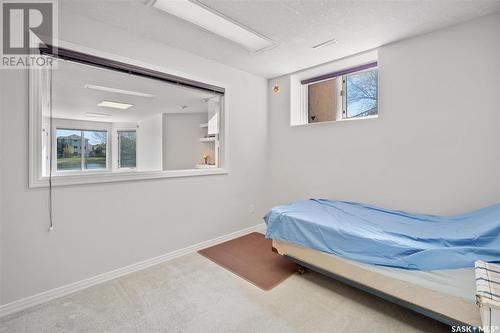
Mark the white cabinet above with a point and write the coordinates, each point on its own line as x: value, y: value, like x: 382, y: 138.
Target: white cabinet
x: 213, y: 116
x: 211, y: 138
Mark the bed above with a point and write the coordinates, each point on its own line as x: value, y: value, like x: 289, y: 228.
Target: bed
x: 387, y: 253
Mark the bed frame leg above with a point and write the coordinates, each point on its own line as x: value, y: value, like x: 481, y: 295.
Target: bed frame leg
x: 301, y: 269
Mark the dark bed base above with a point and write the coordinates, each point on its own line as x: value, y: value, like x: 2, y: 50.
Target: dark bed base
x: 426, y: 312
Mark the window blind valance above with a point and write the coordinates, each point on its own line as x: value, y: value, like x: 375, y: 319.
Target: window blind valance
x: 339, y: 73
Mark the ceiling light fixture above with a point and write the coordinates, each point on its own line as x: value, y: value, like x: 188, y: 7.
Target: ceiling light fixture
x: 118, y: 91
x: 213, y: 21
x: 327, y: 43
x: 100, y: 115
x: 115, y: 105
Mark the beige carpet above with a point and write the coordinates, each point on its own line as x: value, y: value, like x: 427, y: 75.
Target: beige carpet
x: 251, y: 257
x: 193, y: 294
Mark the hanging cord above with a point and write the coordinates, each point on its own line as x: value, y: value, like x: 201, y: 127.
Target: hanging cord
x: 51, y: 140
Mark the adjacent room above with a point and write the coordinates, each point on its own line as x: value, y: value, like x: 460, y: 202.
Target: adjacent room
x: 170, y: 127
x: 250, y: 166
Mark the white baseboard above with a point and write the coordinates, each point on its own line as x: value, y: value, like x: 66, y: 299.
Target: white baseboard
x: 49, y: 295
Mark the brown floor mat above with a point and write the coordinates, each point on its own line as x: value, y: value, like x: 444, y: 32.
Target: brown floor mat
x: 251, y: 258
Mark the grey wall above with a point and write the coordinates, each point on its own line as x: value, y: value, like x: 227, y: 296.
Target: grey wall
x: 149, y: 143
x: 124, y: 223
x: 435, y: 147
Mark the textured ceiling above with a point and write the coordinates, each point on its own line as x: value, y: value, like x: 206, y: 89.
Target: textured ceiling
x: 295, y: 25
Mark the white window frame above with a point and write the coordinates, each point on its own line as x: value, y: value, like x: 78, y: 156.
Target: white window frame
x: 38, y: 102
x: 75, y: 126
x: 299, y: 112
x: 341, y: 112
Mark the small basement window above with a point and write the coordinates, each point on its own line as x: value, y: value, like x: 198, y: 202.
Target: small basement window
x: 346, y: 94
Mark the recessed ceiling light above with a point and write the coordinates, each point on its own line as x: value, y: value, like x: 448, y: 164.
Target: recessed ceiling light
x: 327, y: 43
x: 100, y: 115
x: 115, y: 105
x: 205, y: 17
x: 118, y: 91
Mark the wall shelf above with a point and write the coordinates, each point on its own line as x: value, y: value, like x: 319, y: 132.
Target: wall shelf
x: 206, y: 166
x: 212, y: 139
x: 204, y: 125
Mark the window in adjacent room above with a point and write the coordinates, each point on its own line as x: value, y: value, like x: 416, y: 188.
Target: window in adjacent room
x: 81, y: 150
x: 127, y: 149
x: 346, y: 94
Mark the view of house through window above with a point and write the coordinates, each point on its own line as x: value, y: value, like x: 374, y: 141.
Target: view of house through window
x: 81, y: 150
x: 348, y: 96
x: 69, y: 150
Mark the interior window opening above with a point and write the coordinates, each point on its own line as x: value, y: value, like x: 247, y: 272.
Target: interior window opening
x: 95, y: 119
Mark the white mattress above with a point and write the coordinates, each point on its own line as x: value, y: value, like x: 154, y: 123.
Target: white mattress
x: 457, y: 282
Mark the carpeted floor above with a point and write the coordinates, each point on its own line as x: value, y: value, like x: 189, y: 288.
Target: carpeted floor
x: 193, y: 294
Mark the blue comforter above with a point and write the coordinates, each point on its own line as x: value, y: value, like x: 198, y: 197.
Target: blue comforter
x: 384, y: 237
